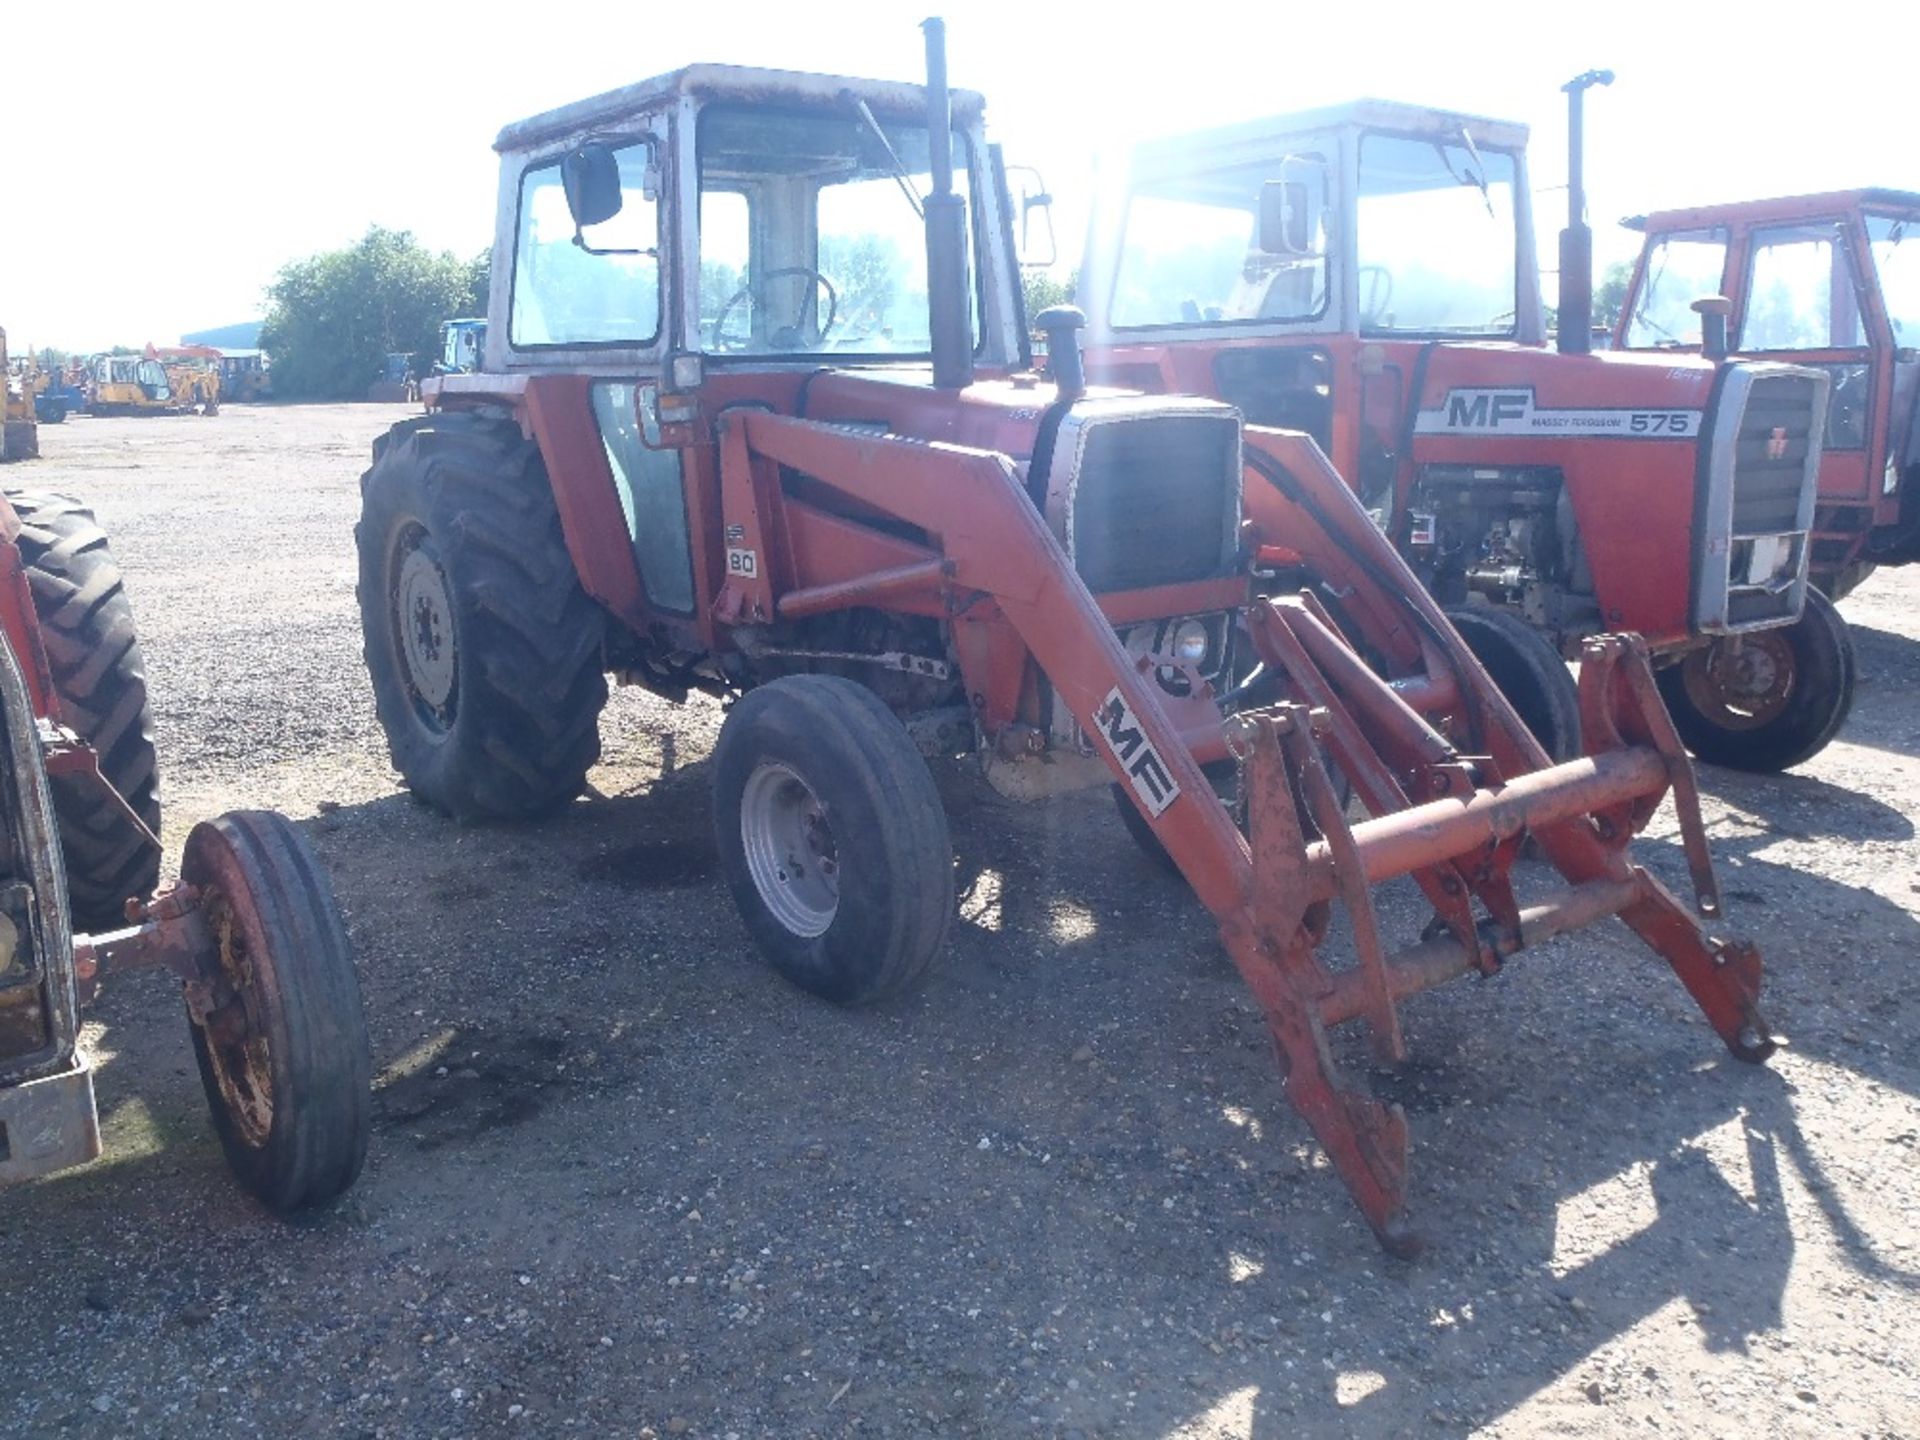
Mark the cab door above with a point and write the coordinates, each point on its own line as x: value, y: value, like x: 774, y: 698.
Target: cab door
x: 1803, y: 302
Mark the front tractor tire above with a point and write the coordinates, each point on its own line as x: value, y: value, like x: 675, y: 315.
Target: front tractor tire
x: 1769, y: 700
x: 483, y: 649
x: 86, y: 629
x: 1529, y: 672
x: 832, y: 838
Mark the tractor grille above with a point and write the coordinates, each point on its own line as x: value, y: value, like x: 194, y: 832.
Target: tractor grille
x: 1763, y: 464
x: 1153, y: 495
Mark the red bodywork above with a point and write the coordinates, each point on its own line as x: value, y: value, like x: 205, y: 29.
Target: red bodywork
x: 1633, y: 495
x: 1869, y: 496
x: 872, y: 489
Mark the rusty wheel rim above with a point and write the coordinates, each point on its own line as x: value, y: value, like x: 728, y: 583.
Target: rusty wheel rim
x: 1740, y: 685
x: 235, y: 1035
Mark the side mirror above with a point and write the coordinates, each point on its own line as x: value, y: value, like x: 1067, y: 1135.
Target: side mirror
x: 1035, y: 199
x: 1287, y: 221
x: 591, y: 178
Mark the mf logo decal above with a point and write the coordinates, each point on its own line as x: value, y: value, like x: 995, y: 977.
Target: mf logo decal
x: 1117, y: 725
x: 1777, y: 443
x: 744, y: 563
x: 1512, y: 412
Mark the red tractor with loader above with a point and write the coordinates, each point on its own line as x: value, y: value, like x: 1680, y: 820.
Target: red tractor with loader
x: 250, y: 928
x: 1367, y: 274
x: 757, y: 419
x: 1831, y: 281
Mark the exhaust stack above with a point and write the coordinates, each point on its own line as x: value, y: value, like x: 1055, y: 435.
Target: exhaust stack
x: 1576, y: 241
x: 949, y: 312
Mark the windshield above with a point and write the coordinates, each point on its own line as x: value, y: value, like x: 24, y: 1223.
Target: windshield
x: 1190, y: 255
x: 1895, y: 244
x: 810, y: 242
x: 1682, y: 266
x: 1437, y: 237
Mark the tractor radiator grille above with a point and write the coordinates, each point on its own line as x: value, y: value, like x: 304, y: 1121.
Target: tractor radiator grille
x: 1153, y: 496
x: 1763, y: 464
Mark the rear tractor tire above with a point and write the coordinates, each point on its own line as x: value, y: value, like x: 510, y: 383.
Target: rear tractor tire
x: 1766, y: 701
x: 284, y: 1059
x: 86, y: 629
x: 483, y: 649
x: 1529, y: 672
x: 832, y: 838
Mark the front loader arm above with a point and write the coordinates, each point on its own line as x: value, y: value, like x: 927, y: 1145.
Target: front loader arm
x: 1454, y: 819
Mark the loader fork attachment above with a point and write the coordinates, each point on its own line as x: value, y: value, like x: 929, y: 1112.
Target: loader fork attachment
x: 1464, y: 841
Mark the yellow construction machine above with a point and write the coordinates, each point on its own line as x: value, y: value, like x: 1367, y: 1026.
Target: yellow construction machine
x: 20, y: 436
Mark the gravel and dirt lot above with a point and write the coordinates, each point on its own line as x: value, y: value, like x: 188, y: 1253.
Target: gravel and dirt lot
x: 625, y: 1182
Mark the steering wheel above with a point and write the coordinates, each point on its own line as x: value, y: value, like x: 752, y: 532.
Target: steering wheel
x: 1375, y: 286
x: 1847, y: 407
x: 786, y: 337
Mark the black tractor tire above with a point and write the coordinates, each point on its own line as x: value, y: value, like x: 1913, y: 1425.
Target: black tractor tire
x: 1529, y: 672
x: 832, y: 838
x: 87, y: 631
x: 285, y: 1060
x: 1223, y: 775
x: 484, y: 651
x: 1806, y: 693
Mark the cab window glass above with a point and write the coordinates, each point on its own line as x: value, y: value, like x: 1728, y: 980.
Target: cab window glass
x: 1191, y: 254
x: 563, y: 293
x: 1800, y: 291
x: 1682, y: 266
x: 1895, y: 243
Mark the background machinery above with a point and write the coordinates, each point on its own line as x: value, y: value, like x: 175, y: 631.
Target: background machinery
x: 719, y: 457
x: 1831, y: 281
x: 1368, y: 274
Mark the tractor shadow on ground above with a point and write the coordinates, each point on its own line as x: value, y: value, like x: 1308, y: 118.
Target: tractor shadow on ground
x: 1527, y: 1112
x: 1712, y: 1233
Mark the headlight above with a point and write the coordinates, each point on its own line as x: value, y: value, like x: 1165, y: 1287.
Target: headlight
x: 1140, y: 640
x: 1189, y: 642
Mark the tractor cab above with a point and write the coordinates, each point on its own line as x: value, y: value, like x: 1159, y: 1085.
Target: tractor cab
x: 461, y: 344
x: 1368, y: 273
x: 1831, y: 281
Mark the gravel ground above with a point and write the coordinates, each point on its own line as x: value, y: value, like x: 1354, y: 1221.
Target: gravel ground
x: 625, y: 1182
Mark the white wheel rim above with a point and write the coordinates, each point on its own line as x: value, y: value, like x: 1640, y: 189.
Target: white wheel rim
x: 790, y: 849
x: 423, y: 614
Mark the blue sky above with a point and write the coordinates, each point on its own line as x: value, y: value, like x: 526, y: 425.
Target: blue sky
x: 164, y: 171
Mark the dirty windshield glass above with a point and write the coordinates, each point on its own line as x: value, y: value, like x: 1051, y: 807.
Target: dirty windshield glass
x: 563, y: 293
x: 1896, y: 257
x: 1437, y: 240
x: 810, y: 240
x: 1190, y: 254
x: 1682, y: 266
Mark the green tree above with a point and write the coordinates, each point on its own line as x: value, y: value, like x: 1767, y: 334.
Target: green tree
x: 1611, y: 293
x: 1043, y: 288
x: 333, y: 318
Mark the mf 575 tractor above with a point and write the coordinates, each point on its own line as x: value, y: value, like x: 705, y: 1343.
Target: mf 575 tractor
x: 1367, y: 274
x: 1831, y: 281
x: 250, y: 928
x: 757, y: 418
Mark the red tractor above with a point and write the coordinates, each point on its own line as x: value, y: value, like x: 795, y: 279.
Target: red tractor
x: 251, y: 928
x: 757, y: 418
x: 1367, y: 274
x: 1831, y: 281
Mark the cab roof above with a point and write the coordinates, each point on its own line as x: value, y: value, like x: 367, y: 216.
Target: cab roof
x: 743, y: 84
x: 1270, y: 132
x: 1786, y: 207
